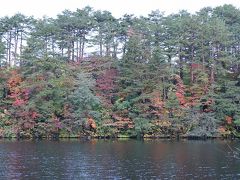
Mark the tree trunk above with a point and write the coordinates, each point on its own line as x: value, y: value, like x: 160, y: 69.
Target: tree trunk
x: 69, y: 52
x: 192, y: 60
x: 62, y: 52
x: 114, y: 55
x: 80, y: 49
x: 180, y: 64
x: 9, y: 49
x: 203, y: 59
x: 77, y: 50
x: 124, y: 47
x: 53, y: 48
x: 69, y: 49
x: 73, y: 50
x: 21, y: 46
x: 192, y: 57
x: 101, y: 43
x: 46, y: 46
x: 164, y: 90
x: 212, y: 74
x: 83, y: 46
x: 107, y: 50
x: 16, y: 46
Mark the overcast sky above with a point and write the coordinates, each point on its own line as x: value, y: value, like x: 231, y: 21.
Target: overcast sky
x: 51, y: 8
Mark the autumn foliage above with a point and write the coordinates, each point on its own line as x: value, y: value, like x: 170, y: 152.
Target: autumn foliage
x: 87, y: 73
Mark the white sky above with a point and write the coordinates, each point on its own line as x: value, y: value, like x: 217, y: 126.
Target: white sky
x: 51, y: 8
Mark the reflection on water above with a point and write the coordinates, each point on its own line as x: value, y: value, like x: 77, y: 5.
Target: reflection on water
x: 118, y: 159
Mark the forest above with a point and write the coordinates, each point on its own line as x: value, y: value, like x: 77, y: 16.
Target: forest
x: 86, y: 73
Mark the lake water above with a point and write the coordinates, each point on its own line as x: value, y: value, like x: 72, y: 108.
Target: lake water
x: 118, y: 159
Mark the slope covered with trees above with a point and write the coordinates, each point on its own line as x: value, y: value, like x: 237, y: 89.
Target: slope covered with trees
x: 89, y: 73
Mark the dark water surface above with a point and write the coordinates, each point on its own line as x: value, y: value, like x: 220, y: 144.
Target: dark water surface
x: 118, y: 159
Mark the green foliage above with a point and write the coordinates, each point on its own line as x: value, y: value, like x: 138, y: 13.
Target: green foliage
x: 82, y: 98
x: 122, y: 105
x: 142, y: 126
x: 227, y: 101
x: 106, y: 131
x: 172, y: 101
x: 171, y: 74
x: 201, y: 125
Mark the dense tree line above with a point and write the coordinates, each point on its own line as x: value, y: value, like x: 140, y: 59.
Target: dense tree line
x: 89, y: 73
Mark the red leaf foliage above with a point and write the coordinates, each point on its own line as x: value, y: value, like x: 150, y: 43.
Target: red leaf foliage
x: 180, y: 91
x: 18, y: 102
x: 105, y: 84
x: 19, y: 95
x: 105, y: 81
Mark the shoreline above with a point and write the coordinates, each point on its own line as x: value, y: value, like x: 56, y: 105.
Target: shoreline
x: 127, y: 137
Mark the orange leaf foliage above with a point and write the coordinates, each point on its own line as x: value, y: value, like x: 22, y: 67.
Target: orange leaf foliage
x: 13, y: 82
x: 91, y: 123
x: 180, y: 90
x: 228, y: 119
